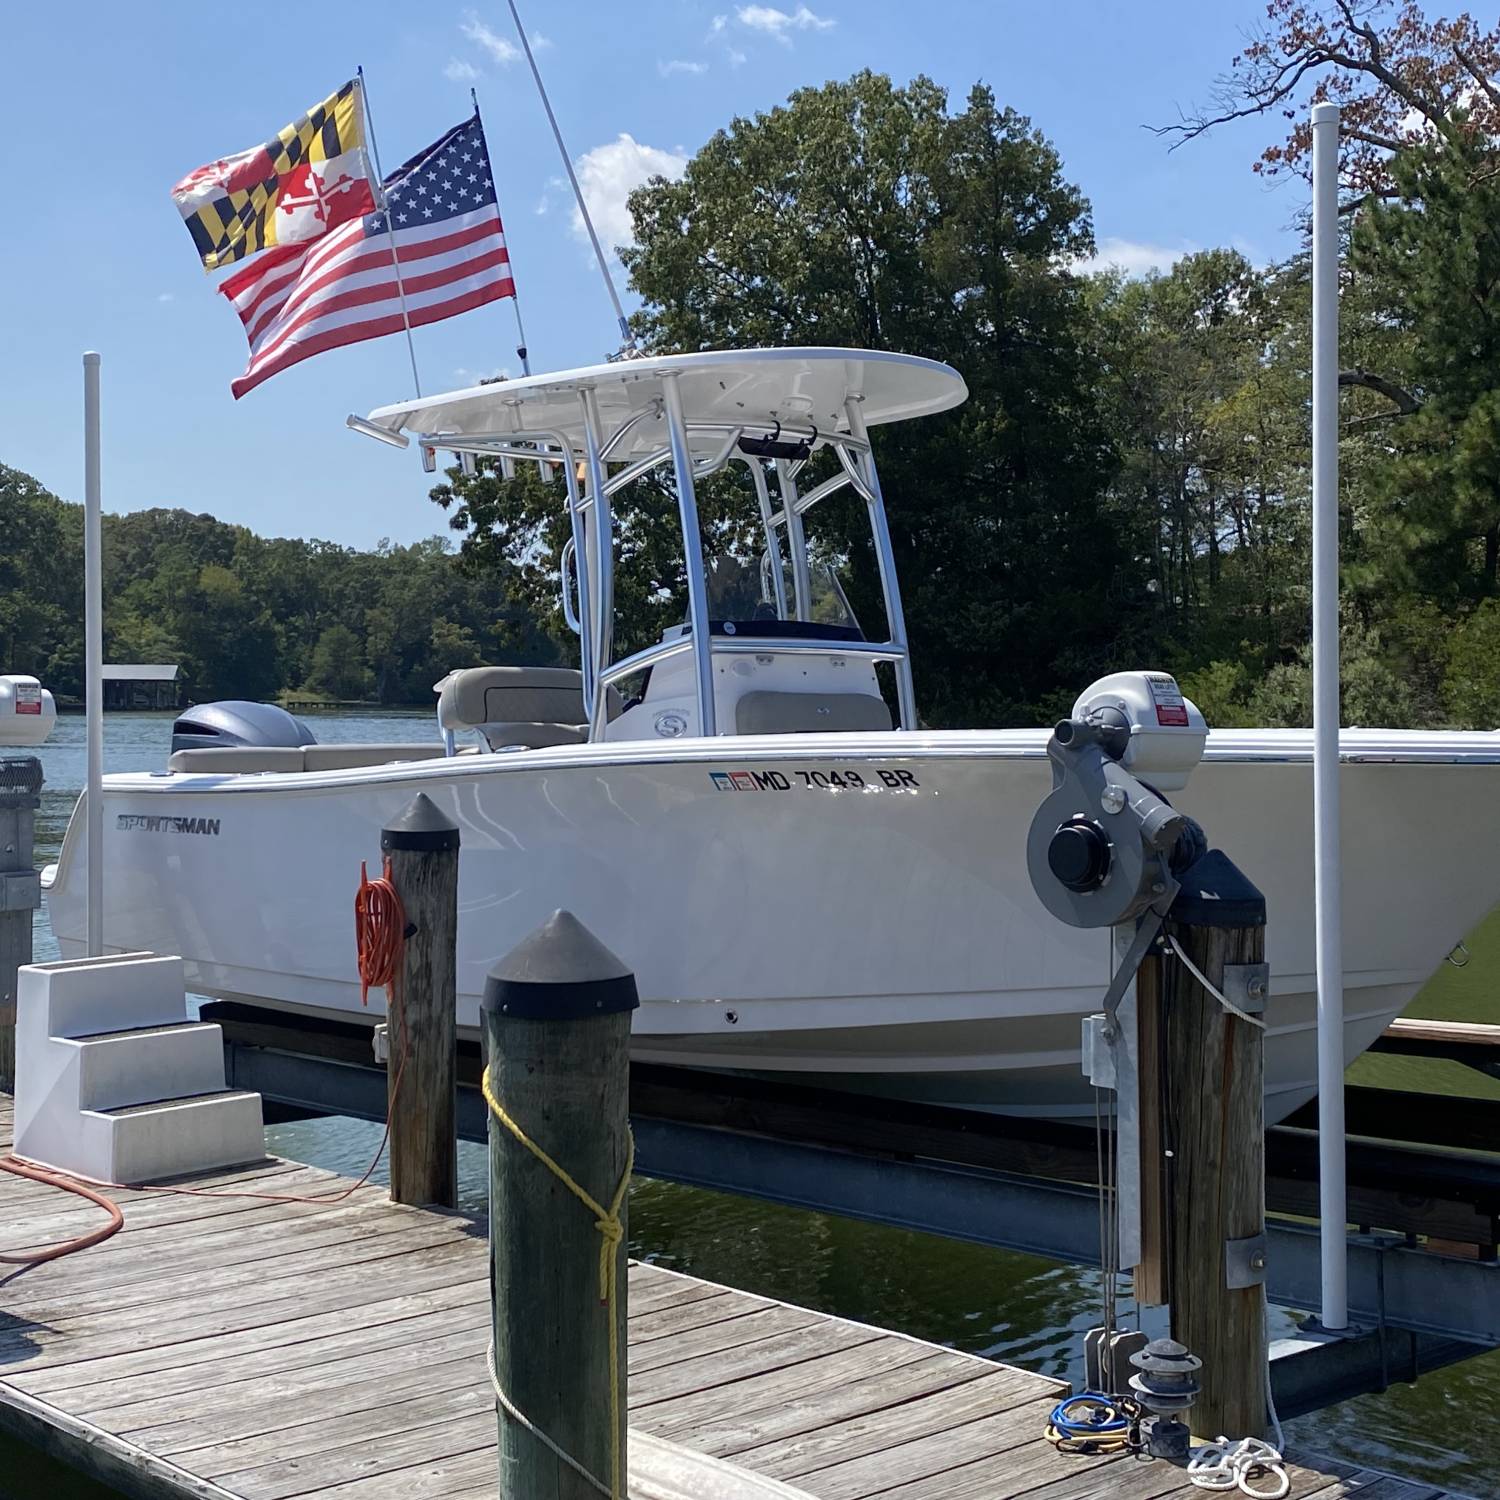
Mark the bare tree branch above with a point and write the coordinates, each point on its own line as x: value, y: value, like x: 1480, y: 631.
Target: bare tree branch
x: 1384, y: 142
x: 1477, y: 74
x: 1403, y: 399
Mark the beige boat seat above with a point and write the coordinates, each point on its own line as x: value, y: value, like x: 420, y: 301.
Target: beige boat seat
x: 234, y: 760
x: 810, y: 713
x: 535, y: 707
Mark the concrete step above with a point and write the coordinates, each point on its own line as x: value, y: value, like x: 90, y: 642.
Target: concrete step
x: 171, y: 1137
x: 117, y: 1068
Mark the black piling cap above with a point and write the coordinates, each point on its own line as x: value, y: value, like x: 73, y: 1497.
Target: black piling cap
x: 562, y: 972
x: 423, y: 827
x: 1217, y: 893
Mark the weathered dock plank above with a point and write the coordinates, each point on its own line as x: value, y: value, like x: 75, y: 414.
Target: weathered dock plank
x: 231, y: 1348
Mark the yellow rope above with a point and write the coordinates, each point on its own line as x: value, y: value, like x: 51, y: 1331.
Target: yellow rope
x: 611, y: 1234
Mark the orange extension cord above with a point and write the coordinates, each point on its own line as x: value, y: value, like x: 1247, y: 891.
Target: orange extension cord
x: 379, y: 932
x: 380, y: 943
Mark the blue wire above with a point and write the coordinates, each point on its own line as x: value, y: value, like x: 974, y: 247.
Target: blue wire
x: 1104, y: 1420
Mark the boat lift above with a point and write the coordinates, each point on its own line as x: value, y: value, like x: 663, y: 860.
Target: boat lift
x: 1430, y: 1296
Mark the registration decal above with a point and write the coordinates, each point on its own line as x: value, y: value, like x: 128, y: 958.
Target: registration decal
x: 846, y: 780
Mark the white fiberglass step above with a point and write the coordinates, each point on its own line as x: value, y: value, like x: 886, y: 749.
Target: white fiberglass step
x: 118, y: 1068
x: 114, y: 1082
x: 86, y: 995
x: 171, y: 1137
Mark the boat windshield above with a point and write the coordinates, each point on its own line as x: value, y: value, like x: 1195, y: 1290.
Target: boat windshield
x: 746, y: 592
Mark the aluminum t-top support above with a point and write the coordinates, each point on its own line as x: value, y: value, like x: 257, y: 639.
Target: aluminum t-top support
x: 692, y: 544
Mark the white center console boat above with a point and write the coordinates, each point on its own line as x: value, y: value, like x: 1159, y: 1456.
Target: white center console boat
x: 806, y: 882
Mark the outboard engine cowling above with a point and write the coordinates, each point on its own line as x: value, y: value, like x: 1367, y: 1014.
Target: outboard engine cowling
x: 214, y: 726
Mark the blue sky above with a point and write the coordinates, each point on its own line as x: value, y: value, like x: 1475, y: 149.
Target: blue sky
x: 104, y: 106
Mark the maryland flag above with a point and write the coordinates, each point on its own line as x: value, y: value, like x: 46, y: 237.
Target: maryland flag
x: 309, y: 178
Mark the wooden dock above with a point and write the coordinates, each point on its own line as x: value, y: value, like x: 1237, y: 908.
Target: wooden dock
x: 233, y: 1348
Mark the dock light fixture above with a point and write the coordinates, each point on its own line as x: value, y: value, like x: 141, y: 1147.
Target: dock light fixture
x: 380, y: 434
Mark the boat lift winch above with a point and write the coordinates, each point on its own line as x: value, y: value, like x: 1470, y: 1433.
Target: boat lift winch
x: 1106, y: 849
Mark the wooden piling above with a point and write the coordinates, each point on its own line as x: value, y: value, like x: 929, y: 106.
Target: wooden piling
x: 557, y: 1033
x: 20, y: 890
x: 422, y: 845
x: 1213, y: 1125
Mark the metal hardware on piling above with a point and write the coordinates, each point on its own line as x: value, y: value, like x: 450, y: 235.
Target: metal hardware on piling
x: 422, y: 846
x: 556, y: 1014
x: 20, y: 890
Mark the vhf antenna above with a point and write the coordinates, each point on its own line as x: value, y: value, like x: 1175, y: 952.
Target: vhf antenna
x: 628, y: 348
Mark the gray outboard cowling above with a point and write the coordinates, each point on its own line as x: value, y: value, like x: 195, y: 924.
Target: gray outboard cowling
x: 213, y: 726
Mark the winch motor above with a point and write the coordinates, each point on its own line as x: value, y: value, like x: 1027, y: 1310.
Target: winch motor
x: 1106, y: 846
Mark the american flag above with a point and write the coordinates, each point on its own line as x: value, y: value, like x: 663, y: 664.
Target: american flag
x: 298, y: 301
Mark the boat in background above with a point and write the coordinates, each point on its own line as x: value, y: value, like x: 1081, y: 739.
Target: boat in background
x: 27, y: 712
x: 804, y: 884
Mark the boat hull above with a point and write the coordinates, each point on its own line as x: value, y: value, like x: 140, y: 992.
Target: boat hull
x: 852, y: 910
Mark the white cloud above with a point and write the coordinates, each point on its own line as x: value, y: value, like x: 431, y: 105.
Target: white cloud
x: 166, y: 296
x: 499, y: 49
x: 717, y: 25
x: 779, y: 24
x: 609, y: 174
x: 736, y: 57
x: 1133, y: 257
x: 540, y: 43
x: 679, y: 65
x: 460, y: 71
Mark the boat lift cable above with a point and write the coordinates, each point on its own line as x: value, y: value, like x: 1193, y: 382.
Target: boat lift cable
x: 1211, y: 988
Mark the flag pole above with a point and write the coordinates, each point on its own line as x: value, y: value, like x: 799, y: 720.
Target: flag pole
x: 583, y: 208
x: 515, y: 300
x: 390, y: 229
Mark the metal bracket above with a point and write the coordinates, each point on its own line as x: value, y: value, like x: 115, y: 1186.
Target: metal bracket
x: 20, y: 890
x: 1247, y: 985
x: 380, y: 1042
x: 1145, y: 934
x: 1245, y: 1260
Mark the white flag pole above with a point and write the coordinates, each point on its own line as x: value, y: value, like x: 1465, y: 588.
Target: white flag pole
x: 390, y: 227
x: 583, y: 208
x: 1332, y: 1196
x: 93, y: 657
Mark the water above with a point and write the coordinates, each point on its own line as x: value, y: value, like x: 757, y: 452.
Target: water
x: 1017, y: 1308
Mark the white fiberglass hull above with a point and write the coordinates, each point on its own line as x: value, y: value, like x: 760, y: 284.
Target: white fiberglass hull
x: 852, y: 909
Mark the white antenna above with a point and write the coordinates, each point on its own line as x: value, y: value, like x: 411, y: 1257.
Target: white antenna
x: 583, y: 208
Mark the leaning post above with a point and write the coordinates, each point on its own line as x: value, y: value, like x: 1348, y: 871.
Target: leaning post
x: 1214, y: 1077
x: 422, y: 846
x: 20, y: 891
x: 557, y: 1033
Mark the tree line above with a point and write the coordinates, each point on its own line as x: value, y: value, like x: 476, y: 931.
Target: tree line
x: 248, y: 616
x: 1129, y: 480
x: 1127, y: 484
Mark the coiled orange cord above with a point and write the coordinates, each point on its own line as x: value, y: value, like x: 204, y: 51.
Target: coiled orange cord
x: 379, y: 933
x: 68, y: 1185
